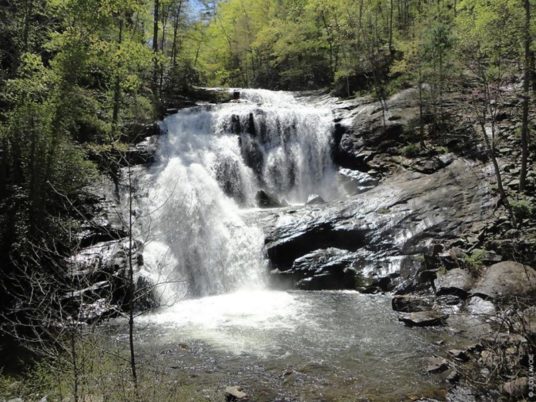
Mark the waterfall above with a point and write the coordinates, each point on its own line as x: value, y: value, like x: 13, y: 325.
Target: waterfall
x: 211, y: 164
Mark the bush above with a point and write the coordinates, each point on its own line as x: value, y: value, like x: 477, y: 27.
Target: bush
x: 103, y: 374
x: 411, y: 150
x: 522, y: 209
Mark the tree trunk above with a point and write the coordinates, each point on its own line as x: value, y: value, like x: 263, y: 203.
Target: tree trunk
x: 117, y: 90
x: 131, y: 285
x: 155, y: 47
x: 174, y: 48
x: 526, y: 99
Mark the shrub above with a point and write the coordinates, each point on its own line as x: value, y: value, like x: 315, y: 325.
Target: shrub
x: 411, y: 150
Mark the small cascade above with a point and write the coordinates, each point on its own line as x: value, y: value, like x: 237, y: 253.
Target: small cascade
x: 212, y: 162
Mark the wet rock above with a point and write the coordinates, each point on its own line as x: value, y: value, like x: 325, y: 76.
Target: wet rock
x: 459, y: 354
x: 235, y: 394
x: 288, y: 243
x: 506, y: 279
x: 411, y: 303
x: 437, y: 365
x: 423, y: 318
x: 142, y: 153
x: 100, y: 206
x: 516, y: 388
x: 461, y: 394
x: 315, y: 199
x: 330, y: 268
x: 266, y: 200
x: 356, y: 182
x: 453, y: 377
x: 145, y: 296
x: 480, y: 307
x: 454, y: 282
x: 97, y: 311
x: 396, y: 219
x: 448, y: 300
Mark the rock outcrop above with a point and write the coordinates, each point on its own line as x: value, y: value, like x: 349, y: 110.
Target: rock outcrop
x: 383, y: 231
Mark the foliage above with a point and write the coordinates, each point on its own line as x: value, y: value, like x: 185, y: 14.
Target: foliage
x: 475, y: 261
x: 410, y: 150
x: 102, y: 372
x: 523, y: 209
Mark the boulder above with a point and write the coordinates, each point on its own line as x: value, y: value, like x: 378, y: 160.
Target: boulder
x: 235, y: 394
x: 454, y: 282
x: 506, y: 279
x: 315, y: 199
x: 411, y: 303
x: 480, y: 307
x: 423, y: 318
x: 516, y: 388
x: 437, y: 365
x: 267, y: 200
x: 459, y: 354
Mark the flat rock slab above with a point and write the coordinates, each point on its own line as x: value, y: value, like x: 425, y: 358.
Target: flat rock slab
x: 235, y: 393
x: 423, y: 319
x: 437, y: 365
x: 506, y: 279
x: 456, y: 281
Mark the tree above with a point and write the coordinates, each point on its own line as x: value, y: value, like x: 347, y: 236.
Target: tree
x: 526, y: 95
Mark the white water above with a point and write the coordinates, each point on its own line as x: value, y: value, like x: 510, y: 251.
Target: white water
x: 212, y: 162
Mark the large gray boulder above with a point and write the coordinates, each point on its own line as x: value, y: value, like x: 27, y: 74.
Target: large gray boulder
x: 454, y: 282
x: 506, y: 279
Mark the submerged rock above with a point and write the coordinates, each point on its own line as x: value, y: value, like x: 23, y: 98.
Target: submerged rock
x: 437, y: 365
x: 423, y: 319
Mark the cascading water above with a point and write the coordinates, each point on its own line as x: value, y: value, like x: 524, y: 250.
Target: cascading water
x: 329, y: 344
x: 212, y: 162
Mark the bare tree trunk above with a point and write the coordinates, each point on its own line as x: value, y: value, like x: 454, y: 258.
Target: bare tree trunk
x: 502, y: 193
x: 526, y: 100
x: 131, y: 286
x: 155, y: 47
x: 26, y: 29
x: 117, y: 89
x: 174, y: 49
x: 421, y: 107
x: 391, y: 27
